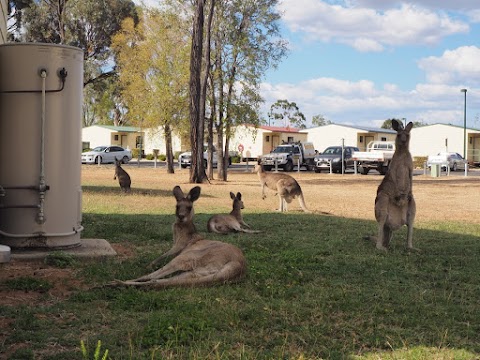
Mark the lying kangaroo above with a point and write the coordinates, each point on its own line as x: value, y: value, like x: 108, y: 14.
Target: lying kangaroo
x: 394, y: 204
x: 198, y: 261
x: 233, y: 222
x: 123, y: 177
x: 286, y: 188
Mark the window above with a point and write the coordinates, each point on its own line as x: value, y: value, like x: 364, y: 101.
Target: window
x: 115, y: 137
x: 267, y: 138
x: 290, y: 139
x: 361, y: 139
x: 138, y: 142
x: 384, y: 139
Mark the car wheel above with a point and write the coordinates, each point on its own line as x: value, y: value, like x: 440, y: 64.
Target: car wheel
x: 318, y: 170
x: 125, y: 159
x: 288, y: 166
x: 267, y: 167
x: 183, y: 166
x: 364, y: 170
x: 98, y: 160
x: 454, y: 167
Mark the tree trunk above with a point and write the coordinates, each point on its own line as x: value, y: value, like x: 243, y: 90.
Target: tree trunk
x: 203, y: 93
x: 197, y: 169
x: 169, y: 149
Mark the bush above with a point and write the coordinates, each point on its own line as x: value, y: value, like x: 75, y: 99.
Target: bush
x: 150, y: 156
x: 418, y: 161
x: 236, y: 159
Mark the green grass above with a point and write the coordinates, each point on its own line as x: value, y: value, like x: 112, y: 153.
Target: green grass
x: 314, y: 290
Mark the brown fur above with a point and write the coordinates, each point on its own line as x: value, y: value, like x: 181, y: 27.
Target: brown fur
x: 394, y: 204
x: 233, y: 222
x: 198, y: 261
x: 286, y: 187
x: 123, y: 177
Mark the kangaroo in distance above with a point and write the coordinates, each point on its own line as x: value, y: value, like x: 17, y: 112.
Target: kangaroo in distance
x: 394, y: 204
x: 123, y: 177
x: 198, y: 262
x: 286, y: 187
x: 233, y: 222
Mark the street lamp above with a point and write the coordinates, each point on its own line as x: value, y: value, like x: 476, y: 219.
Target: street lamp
x: 464, y: 123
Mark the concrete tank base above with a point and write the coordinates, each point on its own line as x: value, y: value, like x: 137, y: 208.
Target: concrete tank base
x: 88, y: 248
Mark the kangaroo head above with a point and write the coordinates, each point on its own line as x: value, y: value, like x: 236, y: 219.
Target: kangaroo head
x: 403, y: 134
x: 118, y: 163
x: 237, y: 200
x: 184, y: 210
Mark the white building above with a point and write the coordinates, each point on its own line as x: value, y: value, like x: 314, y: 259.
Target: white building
x: 334, y: 135
x: 251, y: 141
x: 432, y: 139
x: 128, y: 137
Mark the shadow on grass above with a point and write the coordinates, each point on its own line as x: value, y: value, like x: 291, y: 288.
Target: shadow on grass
x: 314, y: 288
x: 116, y: 190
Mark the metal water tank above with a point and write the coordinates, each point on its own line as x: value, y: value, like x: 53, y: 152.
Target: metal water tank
x: 41, y: 87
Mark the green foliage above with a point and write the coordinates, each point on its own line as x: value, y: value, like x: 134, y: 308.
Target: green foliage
x: 22, y: 354
x: 236, y: 159
x: 287, y: 113
x: 96, y: 353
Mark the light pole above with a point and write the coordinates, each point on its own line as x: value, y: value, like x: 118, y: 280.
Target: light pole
x: 464, y: 123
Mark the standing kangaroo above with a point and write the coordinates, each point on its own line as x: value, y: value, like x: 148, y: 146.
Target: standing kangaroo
x: 233, y: 222
x: 123, y: 178
x: 394, y: 204
x: 198, y: 262
x: 286, y: 187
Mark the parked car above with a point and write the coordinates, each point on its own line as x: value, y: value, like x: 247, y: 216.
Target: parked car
x: 106, y: 154
x: 185, y: 159
x: 454, y: 160
x: 333, y: 154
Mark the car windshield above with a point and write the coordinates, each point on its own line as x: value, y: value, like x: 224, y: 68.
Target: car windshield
x: 283, y: 149
x: 99, y: 148
x: 332, y: 151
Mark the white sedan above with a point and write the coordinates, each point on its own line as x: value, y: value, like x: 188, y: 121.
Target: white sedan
x: 106, y: 154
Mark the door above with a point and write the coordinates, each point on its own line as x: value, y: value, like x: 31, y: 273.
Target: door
x: 123, y: 141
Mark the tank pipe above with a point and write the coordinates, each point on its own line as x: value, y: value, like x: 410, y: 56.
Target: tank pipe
x: 32, y: 235
x: 42, y: 185
x: 62, y: 74
x: 35, y: 206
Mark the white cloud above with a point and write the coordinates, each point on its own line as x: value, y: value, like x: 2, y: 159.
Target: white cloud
x: 453, y: 67
x: 367, y: 29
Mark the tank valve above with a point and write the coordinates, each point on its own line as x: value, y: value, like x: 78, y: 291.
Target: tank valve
x: 43, y: 73
x: 63, y: 73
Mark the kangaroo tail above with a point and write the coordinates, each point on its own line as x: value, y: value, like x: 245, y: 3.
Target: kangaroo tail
x: 301, y: 200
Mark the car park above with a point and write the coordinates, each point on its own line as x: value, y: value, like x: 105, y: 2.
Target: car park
x: 454, y: 160
x: 185, y: 159
x: 106, y: 155
x: 333, y: 155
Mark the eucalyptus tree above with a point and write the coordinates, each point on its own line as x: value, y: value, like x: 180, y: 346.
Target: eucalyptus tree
x: 288, y: 113
x: 246, y: 42
x: 152, y: 61
x: 87, y: 24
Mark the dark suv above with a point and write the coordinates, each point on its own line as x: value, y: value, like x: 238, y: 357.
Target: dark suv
x: 333, y: 154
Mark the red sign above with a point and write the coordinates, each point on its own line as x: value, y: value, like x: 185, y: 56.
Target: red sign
x: 240, y: 147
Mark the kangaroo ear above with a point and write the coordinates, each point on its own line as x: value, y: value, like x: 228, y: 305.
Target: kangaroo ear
x: 396, y: 125
x: 239, y: 196
x: 409, y: 126
x: 178, y: 193
x: 232, y: 195
x: 194, y: 194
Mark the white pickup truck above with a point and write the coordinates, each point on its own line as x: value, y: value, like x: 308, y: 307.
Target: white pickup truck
x: 378, y: 157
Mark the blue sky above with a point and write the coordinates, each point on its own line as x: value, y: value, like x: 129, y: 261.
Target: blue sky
x: 364, y: 61
x: 360, y: 62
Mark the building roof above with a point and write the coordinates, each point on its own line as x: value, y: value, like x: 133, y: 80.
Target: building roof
x: 121, y: 128
x: 287, y: 129
x: 362, y: 128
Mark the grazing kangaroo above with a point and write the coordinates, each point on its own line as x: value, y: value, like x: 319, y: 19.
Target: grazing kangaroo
x: 198, y: 262
x: 123, y: 177
x: 394, y: 204
x: 233, y: 222
x: 286, y: 187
